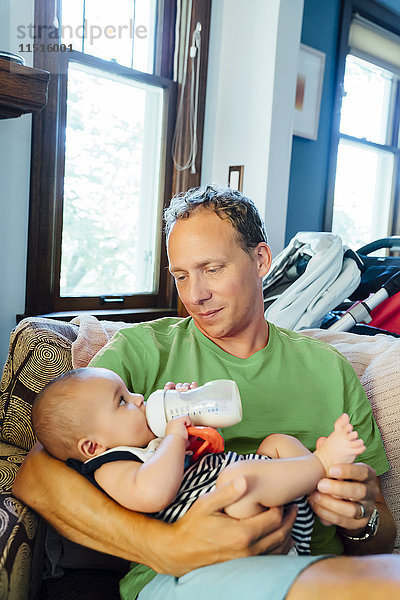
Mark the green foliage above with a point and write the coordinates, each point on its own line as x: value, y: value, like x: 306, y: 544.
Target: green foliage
x: 103, y: 173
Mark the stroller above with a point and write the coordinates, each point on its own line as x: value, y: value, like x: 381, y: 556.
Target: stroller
x: 314, y: 281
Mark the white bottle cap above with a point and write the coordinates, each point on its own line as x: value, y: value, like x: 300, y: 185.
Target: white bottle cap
x: 155, y: 413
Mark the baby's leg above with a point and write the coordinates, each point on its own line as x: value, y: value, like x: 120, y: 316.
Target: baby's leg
x: 280, y: 445
x: 276, y: 445
x: 279, y: 481
x: 250, y: 504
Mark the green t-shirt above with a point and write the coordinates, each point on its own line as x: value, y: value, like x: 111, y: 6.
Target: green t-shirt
x: 295, y: 385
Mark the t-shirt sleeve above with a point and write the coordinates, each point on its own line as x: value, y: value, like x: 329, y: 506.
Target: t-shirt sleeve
x: 358, y: 407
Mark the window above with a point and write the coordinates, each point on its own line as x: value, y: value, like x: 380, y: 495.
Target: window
x: 101, y: 170
x: 113, y: 156
x: 366, y: 191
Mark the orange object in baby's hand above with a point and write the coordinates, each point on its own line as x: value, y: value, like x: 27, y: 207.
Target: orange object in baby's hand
x: 207, y: 440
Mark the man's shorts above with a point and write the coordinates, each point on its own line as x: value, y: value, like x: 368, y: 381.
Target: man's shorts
x: 257, y: 577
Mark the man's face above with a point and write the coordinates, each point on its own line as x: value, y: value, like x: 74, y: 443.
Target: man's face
x: 218, y: 282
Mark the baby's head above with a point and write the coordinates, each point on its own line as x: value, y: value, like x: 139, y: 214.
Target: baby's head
x: 86, y: 411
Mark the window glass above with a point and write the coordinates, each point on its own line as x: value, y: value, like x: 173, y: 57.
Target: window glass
x: 144, y: 42
x: 122, y: 31
x: 72, y: 31
x: 363, y: 190
x: 366, y: 101
x: 111, y: 186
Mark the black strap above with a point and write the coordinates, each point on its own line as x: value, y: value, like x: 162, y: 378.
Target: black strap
x: 87, y: 469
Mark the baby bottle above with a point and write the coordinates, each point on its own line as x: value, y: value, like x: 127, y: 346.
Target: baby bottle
x: 215, y: 404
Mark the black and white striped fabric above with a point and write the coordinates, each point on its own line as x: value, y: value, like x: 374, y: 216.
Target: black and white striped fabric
x: 200, y: 478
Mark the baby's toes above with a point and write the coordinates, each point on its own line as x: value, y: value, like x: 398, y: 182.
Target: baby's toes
x: 342, y: 423
x: 359, y: 447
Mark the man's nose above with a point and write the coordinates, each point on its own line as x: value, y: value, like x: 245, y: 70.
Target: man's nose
x: 198, y: 292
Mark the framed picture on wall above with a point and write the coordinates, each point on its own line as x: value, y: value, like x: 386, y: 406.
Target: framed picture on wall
x: 310, y: 78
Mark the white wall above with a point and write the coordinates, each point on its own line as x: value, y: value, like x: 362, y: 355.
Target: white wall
x: 15, y: 148
x: 250, y: 98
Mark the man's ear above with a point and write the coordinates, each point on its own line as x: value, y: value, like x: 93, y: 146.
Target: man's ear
x: 264, y: 258
x: 89, y: 448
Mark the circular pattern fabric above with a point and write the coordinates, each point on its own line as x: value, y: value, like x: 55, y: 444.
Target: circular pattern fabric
x: 40, y: 350
x: 20, y: 574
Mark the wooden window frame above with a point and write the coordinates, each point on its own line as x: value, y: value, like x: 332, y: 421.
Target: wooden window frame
x: 47, y: 164
x: 388, y: 20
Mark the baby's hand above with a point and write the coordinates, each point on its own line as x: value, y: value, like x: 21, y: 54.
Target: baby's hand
x: 180, y: 387
x: 179, y: 427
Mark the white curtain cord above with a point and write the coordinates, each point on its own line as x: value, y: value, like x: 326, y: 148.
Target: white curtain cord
x: 194, y: 99
x: 194, y: 54
x: 54, y: 22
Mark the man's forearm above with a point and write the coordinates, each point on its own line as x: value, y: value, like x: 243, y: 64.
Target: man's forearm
x: 77, y: 510
x: 381, y: 542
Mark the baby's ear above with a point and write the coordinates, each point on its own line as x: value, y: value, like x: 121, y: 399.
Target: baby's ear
x: 89, y: 448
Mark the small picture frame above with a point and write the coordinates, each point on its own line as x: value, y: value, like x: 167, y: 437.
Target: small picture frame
x: 310, y: 78
x: 235, y: 177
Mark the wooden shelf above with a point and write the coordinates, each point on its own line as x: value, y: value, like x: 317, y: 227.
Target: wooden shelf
x: 22, y: 89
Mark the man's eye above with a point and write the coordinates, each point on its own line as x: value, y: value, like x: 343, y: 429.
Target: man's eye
x: 180, y: 278
x: 122, y: 401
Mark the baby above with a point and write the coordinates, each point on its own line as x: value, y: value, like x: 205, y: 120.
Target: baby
x: 88, y: 418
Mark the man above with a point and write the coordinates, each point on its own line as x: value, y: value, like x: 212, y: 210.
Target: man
x: 218, y: 256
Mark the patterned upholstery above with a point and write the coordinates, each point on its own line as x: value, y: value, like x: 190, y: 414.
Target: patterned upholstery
x: 18, y: 526
x: 40, y: 349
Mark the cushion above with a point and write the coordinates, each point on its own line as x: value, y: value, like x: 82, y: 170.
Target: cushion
x: 376, y: 360
x: 40, y: 350
x: 92, y: 336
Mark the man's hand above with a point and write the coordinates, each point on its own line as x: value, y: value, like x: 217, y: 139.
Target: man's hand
x: 206, y: 535
x: 338, y: 501
x: 338, y: 498
x: 180, y: 387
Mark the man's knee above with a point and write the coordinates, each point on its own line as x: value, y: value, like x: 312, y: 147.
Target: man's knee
x: 349, y: 578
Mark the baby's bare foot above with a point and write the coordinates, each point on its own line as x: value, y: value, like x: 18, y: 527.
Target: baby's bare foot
x: 341, y: 446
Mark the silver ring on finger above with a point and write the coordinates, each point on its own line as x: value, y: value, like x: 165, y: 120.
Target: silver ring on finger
x: 362, y: 514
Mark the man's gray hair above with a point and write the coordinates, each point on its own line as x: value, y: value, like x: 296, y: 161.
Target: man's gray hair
x: 228, y: 204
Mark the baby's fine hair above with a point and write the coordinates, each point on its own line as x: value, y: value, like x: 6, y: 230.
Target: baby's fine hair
x: 59, y: 418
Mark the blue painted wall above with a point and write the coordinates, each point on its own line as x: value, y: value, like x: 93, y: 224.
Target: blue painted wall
x: 394, y: 5
x: 309, y: 166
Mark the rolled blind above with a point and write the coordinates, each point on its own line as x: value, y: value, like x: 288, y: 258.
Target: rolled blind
x: 374, y: 43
